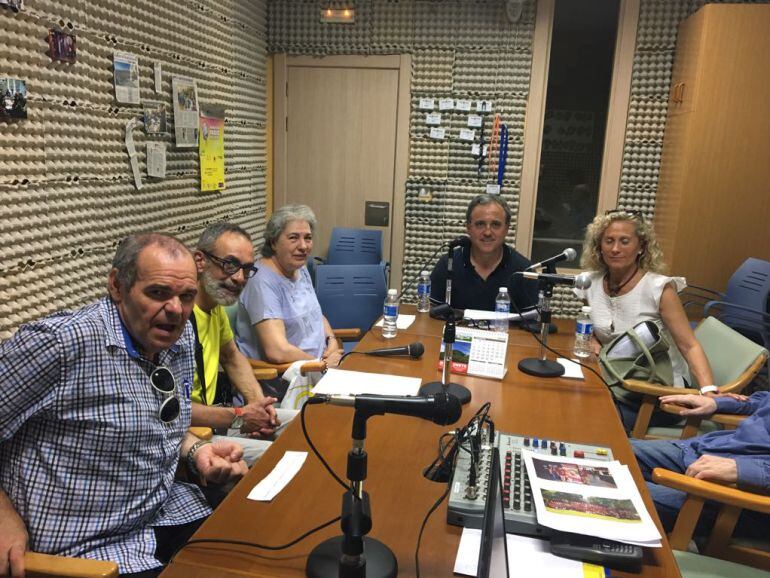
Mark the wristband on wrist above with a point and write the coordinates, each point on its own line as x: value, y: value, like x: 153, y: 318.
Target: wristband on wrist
x: 237, y: 422
x: 709, y: 389
x: 191, y: 467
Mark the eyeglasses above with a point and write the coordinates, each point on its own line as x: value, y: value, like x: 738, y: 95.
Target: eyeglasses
x: 633, y: 212
x: 163, y: 381
x: 477, y: 323
x: 232, y: 266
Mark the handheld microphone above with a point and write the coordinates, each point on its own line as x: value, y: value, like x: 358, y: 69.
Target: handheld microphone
x: 414, y: 350
x: 441, y: 408
x: 582, y: 281
x: 568, y: 254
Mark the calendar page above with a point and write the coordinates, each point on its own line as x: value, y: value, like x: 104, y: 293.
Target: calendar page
x: 478, y: 352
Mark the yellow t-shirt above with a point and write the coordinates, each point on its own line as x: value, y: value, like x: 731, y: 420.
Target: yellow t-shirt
x: 213, y: 332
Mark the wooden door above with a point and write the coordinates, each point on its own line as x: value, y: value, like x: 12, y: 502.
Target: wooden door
x: 342, y: 142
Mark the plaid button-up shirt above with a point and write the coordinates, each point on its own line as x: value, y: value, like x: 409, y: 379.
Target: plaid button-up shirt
x: 84, y: 457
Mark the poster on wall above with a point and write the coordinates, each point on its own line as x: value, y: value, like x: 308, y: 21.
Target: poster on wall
x: 13, y: 98
x: 126, y: 67
x: 14, y: 5
x: 185, y: 98
x: 212, y: 147
x: 61, y: 46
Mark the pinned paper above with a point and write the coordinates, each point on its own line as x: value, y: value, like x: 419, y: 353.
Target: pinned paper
x: 474, y: 120
x: 467, y: 134
x: 156, y: 160
x: 484, y: 106
x: 463, y: 105
x: 446, y: 103
x: 130, y: 125
x: 433, y: 118
x: 437, y: 133
x: 158, y: 69
x: 427, y: 104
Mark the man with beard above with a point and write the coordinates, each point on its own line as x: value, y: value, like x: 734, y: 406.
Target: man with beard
x: 224, y: 256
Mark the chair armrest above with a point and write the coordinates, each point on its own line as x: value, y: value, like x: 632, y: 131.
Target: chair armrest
x: 265, y: 373
x: 45, y: 564
x: 277, y: 367
x: 730, y: 420
x: 727, y: 305
x: 706, y: 290
x: 312, y: 366
x: 712, y: 491
x: 646, y: 388
x: 353, y: 333
x: 204, y: 433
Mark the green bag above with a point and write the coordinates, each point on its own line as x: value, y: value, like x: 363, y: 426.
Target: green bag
x: 639, y: 353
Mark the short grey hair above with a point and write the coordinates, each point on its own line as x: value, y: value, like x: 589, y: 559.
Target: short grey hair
x: 485, y: 199
x: 129, y: 249
x: 278, y: 221
x: 213, y: 232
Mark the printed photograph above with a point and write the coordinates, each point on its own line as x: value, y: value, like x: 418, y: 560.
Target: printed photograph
x: 154, y: 117
x: 574, y: 474
x: 126, y: 73
x: 61, y: 46
x: 590, y: 507
x: 13, y: 98
x: 186, y: 98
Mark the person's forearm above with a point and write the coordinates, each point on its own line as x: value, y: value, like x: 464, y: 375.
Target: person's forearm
x: 699, y: 366
x: 285, y: 353
x: 209, y: 416
x: 241, y: 375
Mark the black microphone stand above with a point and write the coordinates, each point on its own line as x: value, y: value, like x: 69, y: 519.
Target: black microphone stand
x: 445, y: 386
x: 536, y: 326
x: 540, y: 366
x: 354, y: 554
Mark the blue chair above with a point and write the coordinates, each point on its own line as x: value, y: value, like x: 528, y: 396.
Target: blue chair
x: 355, y: 247
x: 745, y: 306
x: 351, y: 297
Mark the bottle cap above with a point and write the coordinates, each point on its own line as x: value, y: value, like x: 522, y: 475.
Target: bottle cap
x: 391, y: 293
x: 586, y: 309
x: 424, y: 273
x: 503, y: 289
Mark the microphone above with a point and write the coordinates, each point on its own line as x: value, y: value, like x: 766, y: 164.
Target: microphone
x: 568, y: 254
x: 582, y: 281
x: 414, y: 350
x: 441, y: 408
x: 463, y: 241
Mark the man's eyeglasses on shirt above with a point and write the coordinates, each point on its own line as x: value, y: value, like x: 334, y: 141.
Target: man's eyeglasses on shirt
x: 232, y: 266
x: 164, y: 382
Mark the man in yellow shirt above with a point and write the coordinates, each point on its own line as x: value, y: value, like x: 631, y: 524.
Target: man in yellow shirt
x: 224, y: 256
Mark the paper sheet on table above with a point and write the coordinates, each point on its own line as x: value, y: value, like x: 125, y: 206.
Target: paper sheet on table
x: 528, y: 556
x: 283, y: 472
x: 402, y: 321
x: 571, y: 369
x: 342, y: 382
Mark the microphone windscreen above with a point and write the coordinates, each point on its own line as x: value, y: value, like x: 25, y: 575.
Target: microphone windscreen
x: 583, y: 281
x: 448, y: 408
x: 570, y: 254
x: 416, y: 349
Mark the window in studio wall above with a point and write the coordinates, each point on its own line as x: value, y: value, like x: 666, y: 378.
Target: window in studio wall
x: 580, y: 70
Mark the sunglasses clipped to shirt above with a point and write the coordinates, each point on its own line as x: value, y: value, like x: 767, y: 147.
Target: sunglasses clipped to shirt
x: 163, y: 381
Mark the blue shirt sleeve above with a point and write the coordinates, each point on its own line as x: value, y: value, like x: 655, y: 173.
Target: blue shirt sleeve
x: 31, y: 365
x: 753, y: 472
x: 730, y: 405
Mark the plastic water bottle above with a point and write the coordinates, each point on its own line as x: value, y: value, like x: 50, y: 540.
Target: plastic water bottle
x: 390, y: 314
x: 423, y: 293
x: 583, y: 329
x: 502, y: 305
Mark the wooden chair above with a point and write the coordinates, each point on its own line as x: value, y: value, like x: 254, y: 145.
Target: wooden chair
x: 734, y: 359
x: 723, y: 555
x: 692, y: 426
x: 47, y: 566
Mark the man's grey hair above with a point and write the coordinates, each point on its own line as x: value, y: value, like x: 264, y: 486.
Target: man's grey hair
x: 282, y: 217
x: 213, y: 232
x: 485, y: 199
x: 129, y: 249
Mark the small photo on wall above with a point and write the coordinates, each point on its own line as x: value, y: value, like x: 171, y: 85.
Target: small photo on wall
x: 154, y: 117
x: 13, y: 98
x: 61, y: 46
x: 14, y: 5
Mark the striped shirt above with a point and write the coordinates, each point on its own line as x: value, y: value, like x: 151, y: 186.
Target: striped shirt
x: 84, y: 457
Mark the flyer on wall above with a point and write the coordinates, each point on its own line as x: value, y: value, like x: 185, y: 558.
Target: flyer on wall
x: 212, y: 147
x: 126, y: 66
x: 185, y: 98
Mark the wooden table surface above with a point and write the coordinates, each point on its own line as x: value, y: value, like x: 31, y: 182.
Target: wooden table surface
x: 399, y: 448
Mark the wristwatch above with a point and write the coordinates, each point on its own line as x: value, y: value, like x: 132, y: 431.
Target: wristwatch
x: 238, y: 419
x: 709, y: 389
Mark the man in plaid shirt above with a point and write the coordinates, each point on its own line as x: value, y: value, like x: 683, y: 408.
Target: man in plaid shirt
x: 94, y: 411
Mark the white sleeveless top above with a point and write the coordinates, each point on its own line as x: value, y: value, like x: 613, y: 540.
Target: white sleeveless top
x: 612, y: 316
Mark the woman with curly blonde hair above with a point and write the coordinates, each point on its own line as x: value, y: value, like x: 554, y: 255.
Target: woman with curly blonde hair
x: 628, y: 287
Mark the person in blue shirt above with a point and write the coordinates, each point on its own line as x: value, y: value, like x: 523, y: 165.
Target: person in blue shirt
x: 740, y: 456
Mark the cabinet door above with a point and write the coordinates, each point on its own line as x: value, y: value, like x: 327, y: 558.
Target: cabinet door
x: 687, y: 65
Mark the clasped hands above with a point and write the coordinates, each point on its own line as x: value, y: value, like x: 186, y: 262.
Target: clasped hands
x: 260, y: 419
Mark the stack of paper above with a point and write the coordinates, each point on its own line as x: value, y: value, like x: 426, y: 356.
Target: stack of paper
x: 589, y: 497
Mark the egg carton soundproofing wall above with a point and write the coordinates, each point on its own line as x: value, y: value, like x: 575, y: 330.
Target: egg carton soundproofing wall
x: 467, y: 49
x: 68, y: 192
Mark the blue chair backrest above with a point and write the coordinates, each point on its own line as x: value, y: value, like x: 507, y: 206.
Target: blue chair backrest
x: 351, y: 296
x: 355, y: 247
x: 750, y: 285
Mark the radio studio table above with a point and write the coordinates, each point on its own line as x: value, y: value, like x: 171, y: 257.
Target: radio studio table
x: 399, y: 448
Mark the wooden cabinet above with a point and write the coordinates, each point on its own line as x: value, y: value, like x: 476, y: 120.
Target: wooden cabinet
x: 713, y: 202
